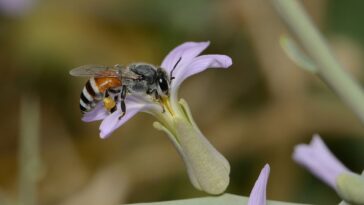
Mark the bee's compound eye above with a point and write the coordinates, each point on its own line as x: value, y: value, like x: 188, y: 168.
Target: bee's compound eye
x: 163, y: 84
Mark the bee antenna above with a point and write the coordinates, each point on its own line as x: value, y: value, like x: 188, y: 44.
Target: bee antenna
x: 174, y: 67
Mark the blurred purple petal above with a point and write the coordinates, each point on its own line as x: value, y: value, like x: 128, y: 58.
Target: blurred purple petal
x: 15, y: 7
x: 318, y: 159
x: 200, y: 64
x: 98, y: 113
x: 258, y: 193
x: 183, y: 53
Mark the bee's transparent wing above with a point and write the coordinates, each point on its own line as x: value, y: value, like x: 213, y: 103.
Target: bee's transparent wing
x: 126, y: 73
x: 97, y: 71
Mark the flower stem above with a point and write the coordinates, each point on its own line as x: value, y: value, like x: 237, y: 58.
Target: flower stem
x: 328, y: 67
x: 29, y: 149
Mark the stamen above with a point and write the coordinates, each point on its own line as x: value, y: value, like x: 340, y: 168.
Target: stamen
x: 165, y: 102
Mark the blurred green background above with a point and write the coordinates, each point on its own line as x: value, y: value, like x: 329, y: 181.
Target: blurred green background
x: 254, y: 112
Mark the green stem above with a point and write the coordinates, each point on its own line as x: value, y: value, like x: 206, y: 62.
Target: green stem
x: 29, y: 149
x: 328, y: 67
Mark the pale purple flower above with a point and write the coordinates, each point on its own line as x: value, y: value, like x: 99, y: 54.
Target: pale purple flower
x: 258, y: 194
x: 207, y: 168
x: 317, y: 158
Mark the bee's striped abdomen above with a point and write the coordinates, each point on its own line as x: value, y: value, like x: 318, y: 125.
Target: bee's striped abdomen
x: 90, y: 95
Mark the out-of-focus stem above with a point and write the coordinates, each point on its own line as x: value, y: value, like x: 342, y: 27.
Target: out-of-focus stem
x: 328, y: 67
x: 29, y: 149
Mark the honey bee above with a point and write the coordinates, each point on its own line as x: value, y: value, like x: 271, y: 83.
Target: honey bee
x: 112, y: 84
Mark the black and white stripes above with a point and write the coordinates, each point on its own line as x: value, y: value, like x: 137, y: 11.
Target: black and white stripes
x: 90, y: 95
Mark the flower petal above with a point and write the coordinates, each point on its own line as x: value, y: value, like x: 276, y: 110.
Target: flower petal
x: 112, y: 122
x: 317, y: 158
x: 98, y: 113
x: 134, y: 104
x: 258, y: 193
x: 183, y: 53
x: 200, y: 64
x: 16, y: 7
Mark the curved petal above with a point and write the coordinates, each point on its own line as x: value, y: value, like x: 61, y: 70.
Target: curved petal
x: 200, y: 64
x: 183, y: 53
x: 258, y: 193
x: 98, y: 113
x: 134, y: 104
x: 112, y: 122
x: 317, y: 158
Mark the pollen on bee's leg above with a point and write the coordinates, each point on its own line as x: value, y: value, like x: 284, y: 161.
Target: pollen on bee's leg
x: 109, y: 103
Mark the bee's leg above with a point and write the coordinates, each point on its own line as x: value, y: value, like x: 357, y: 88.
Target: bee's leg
x: 157, y: 97
x: 121, y: 97
x: 109, y: 102
x: 153, y: 93
x: 114, y: 108
x: 163, y: 110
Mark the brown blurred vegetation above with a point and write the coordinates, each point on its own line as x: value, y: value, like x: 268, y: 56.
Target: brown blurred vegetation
x: 254, y: 113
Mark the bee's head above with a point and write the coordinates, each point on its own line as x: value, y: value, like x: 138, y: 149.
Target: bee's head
x: 162, y: 82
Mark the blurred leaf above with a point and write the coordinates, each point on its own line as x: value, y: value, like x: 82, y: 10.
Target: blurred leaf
x: 296, y: 54
x: 229, y: 199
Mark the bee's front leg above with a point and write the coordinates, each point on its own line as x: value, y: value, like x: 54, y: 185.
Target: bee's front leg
x: 157, y: 97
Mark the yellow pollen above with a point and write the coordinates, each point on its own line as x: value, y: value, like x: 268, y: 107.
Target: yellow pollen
x: 166, y: 104
x: 109, y: 103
